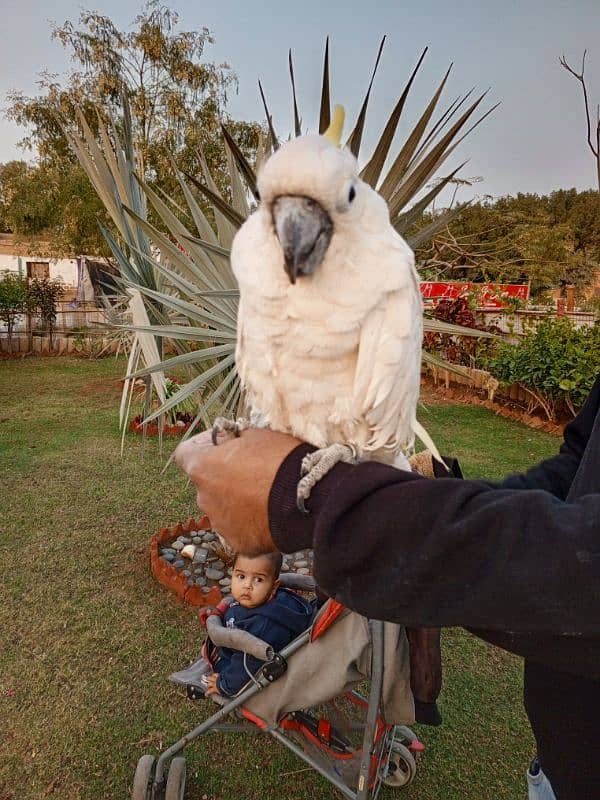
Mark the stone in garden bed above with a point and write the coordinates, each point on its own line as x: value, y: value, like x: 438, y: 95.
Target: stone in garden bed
x: 213, y: 574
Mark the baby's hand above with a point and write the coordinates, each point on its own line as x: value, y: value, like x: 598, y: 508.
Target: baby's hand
x: 211, y: 684
x: 204, y: 614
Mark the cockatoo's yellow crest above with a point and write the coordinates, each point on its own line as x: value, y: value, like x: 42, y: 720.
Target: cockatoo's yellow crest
x: 334, y: 131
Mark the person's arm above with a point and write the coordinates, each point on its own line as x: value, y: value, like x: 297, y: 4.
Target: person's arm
x: 413, y: 550
x: 419, y: 551
x: 416, y: 551
x: 556, y: 474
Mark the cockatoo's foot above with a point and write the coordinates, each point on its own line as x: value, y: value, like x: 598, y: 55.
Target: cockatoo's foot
x: 317, y: 464
x: 223, y: 425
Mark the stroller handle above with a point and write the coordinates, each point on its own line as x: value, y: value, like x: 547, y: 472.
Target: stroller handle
x: 237, y: 639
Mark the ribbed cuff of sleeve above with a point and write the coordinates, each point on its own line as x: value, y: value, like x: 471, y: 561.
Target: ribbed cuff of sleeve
x: 290, y: 528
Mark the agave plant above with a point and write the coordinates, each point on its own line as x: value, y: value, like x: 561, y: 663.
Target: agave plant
x: 178, y: 277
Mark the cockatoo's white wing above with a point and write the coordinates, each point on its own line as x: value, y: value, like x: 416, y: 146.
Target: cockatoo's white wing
x: 386, y: 383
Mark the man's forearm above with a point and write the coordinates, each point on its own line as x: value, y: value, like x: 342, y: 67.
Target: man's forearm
x: 416, y: 551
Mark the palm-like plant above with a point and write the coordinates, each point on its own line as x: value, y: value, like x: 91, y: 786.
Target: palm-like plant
x: 182, y: 272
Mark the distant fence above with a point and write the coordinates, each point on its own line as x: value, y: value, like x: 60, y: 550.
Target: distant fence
x: 77, y: 329
x: 480, y: 379
x: 62, y: 343
x: 517, y: 323
x: 68, y: 317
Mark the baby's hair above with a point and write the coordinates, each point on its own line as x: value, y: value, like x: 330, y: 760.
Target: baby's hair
x: 275, y: 559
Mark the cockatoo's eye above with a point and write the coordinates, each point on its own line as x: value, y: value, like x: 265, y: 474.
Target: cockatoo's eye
x: 346, y: 196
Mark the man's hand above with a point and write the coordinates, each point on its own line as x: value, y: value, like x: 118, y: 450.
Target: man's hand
x: 233, y: 482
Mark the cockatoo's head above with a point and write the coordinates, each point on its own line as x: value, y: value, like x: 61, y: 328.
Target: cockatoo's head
x: 311, y: 189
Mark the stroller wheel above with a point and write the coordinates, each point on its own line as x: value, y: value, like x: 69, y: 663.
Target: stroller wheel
x: 175, y: 787
x: 142, y: 780
x: 402, y: 767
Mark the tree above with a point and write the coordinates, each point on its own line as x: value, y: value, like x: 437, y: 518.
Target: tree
x: 177, y: 101
x: 593, y: 137
x: 13, y: 301
x: 544, y: 241
x: 43, y: 295
x: 55, y: 200
x: 12, y: 175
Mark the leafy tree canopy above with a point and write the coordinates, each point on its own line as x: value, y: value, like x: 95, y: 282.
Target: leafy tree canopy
x: 177, y: 101
x: 54, y: 201
x: 544, y: 240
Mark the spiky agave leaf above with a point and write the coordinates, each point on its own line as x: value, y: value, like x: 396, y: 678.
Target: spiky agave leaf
x: 111, y: 169
x: 372, y: 171
x: 325, y: 112
x: 355, y: 138
x: 297, y: 124
x: 405, y: 221
x: 243, y: 165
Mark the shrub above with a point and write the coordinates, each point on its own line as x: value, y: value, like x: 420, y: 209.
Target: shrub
x: 13, y: 300
x: 43, y: 296
x: 464, y: 350
x: 556, y: 363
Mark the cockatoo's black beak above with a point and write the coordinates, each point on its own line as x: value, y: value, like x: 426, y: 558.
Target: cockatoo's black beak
x: 304, y: 230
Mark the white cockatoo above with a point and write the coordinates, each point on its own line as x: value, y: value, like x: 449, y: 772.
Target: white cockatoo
x: 330, y: 316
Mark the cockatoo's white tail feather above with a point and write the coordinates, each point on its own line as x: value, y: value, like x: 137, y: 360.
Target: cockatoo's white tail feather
x: 422, y: 434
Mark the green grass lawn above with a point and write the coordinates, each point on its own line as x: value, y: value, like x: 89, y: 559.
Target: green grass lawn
x: 87, y: 636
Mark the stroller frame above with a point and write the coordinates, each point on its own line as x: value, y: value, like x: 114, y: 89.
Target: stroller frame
x: 152, y: 784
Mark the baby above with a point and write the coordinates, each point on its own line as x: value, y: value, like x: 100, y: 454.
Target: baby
x: 260, y: 607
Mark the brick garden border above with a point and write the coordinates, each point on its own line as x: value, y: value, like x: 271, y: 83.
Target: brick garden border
x: 504, y: 407
x: 166, y: 573
x: 136, y: 426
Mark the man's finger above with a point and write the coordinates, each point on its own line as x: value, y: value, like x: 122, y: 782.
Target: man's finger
x: 186, y: 453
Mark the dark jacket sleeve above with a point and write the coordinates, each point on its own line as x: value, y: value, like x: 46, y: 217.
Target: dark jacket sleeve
x: 416, y: 551
x: 556, y: 474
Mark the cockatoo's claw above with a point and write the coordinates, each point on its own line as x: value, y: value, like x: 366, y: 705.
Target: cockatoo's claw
x: 306, y: 465
x: 222, y: 425
x: 316, y: 465
x: 301, y: 506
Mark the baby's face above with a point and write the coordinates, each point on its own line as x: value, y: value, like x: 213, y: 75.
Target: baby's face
x: 252, y: 582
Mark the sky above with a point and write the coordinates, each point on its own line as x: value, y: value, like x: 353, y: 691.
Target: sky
x: 534, y: 142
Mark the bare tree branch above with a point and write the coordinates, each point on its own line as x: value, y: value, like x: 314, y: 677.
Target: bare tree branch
x: 581, y: 78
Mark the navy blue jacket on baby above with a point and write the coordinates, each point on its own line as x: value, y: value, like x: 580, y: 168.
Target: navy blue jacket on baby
x: 276, y: 622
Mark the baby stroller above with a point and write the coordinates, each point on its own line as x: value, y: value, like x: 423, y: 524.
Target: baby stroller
x: 306, y: 698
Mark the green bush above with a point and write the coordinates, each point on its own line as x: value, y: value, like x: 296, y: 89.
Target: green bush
x: 556, y: 363
x: 13, y: 300
x: 43, y: 295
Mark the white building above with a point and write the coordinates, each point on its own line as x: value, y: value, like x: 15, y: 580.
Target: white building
x: 82, y: 278
x: 15, y: 257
